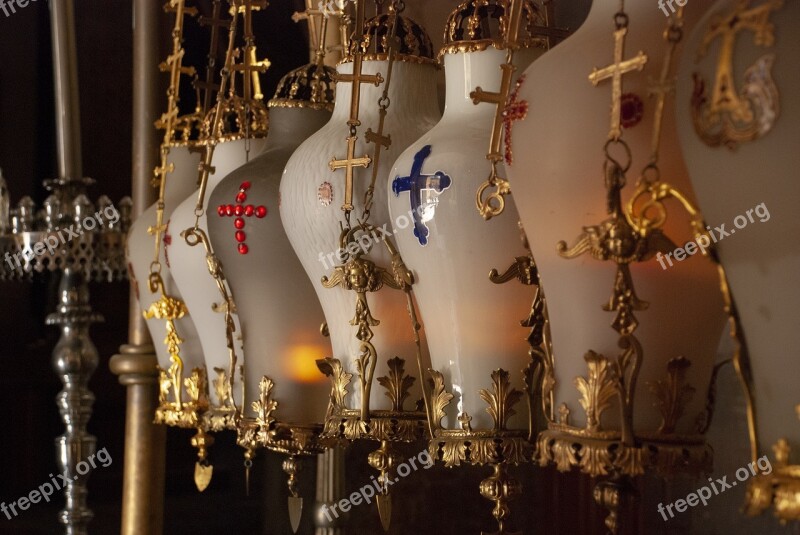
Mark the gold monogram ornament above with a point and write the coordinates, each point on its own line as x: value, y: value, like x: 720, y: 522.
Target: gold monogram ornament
x: 725, y: 116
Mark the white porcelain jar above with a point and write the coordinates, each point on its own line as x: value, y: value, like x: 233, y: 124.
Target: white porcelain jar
x: 181, y: 182
x: 312, y: 198
x: 750, y: 186
x: 558, y: 182
x: 472, y: 324
x: 278, y: 310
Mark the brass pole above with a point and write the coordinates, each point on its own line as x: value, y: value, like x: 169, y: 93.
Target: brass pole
x: 330, y: 488
x: 143, y: 483
x: 136, y: 364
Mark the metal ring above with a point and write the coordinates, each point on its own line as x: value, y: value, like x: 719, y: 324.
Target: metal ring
x: 621, y: 20
x: 627, y: 153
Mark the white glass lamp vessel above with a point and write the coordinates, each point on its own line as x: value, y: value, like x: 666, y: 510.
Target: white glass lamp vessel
x: 180, y: 183
x: 739, y: 121
x: 188, y: 263
x: 279, y: 312
x: 472, y: 324
x: 312, y: 194
x: 561, y: 192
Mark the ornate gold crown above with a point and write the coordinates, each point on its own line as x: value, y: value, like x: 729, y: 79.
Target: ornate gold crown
x: 415, y: 44
x: 238, y: 120
x: 478, y: 24
x: 309, y: 86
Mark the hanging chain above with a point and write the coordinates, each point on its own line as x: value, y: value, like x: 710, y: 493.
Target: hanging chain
x: 167, y: 122
x: 494, y: 203
x: 380, y: 140
x: 652, y: 213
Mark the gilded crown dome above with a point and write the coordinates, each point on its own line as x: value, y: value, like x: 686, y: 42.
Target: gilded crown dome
x: 240, y: 118
x: 415, y: 44
x: 310, y: 86
x: 478, y: 24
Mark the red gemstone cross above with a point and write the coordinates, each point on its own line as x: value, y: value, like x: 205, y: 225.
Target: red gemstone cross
x: 239, y: 211
x: 515, y: 110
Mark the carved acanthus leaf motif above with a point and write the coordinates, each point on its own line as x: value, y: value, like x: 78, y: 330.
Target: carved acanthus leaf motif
x: 339, y: 379
x: 596, y: 391
x: 222, y: 388
x: 453, y: 453
x: 501, y: 400
x: 563, y: 455
x: 673, y: 394
x: 397, y: 383
x: 197, y: 387
x: 265, y: 405
x: 440, y: 398
x: 594, y: 460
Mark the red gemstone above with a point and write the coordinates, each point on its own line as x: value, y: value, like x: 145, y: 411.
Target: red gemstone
x: 238, y: 210
x: 238, y: 223
x: 243, y: 248
x: 229, y: 210
x: 248, y: 210
x: 245, y: 185
x: 241, y: 197
x: 221, y: 210
x: 240, y: 236
x: 261, y: 211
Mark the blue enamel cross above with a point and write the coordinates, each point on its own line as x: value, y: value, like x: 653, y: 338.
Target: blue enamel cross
x: 414, y: 184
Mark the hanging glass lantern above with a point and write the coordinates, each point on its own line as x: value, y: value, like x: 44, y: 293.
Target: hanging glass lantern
x: 280, y: 315
x: 737, y: 121
x: 481, y: 408
x: 385, y: 99
x: 634, y: 336
x: 235, y: 127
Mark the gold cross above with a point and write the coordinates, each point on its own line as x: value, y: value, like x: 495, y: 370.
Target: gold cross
x: 665, y: 85
x: 615, y: 71
x: 251, y: 66
x: 348, y: 164
x: 175, y: 60
x: 724, y: 98
x: 176, y: 6
x: 215, y: 21
x: 374, y: 137
x: 358, y: 78
x: 310, y: 15
x: 499, y: 98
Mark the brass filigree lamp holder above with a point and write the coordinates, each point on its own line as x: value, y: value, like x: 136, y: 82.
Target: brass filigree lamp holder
x: 310, y: 86
x: 385, y: 426
x: 779, y: 489
x: 294, y: 440
x: 183, y: 400
x: 499, y: 447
